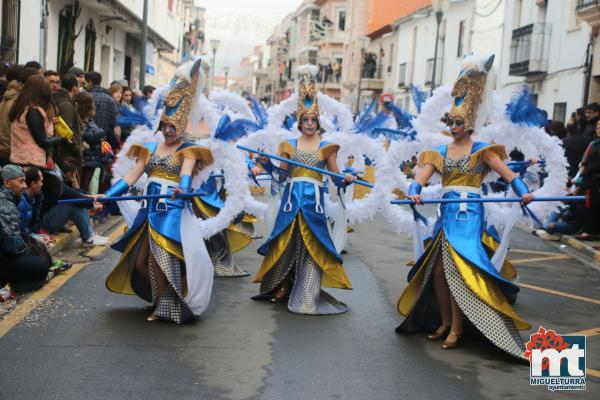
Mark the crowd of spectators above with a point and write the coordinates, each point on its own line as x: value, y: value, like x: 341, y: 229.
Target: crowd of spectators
x: 58, y: 138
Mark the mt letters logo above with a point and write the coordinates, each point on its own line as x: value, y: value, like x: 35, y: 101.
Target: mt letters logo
x: 556, y: 361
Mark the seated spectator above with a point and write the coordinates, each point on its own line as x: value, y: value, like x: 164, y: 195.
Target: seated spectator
x: 566, y: 220
x: 16, y: 76
x: 32, y: 131
x: 93, y: 136
x: 30, y: 205
x: 57, y: 215
x: 19, y: 266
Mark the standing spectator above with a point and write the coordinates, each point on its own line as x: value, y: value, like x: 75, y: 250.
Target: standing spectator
x: 23, y: 270
x: 35, y: 65
x: 32, y: 132
x: 93, y: 136
x: 591, y: 187
x: 580, y: 119
x: 3, y: 80
x: 78, y: 72
x: 337, y: 70
x: 53, y: 79
x: 69, y: 153
x: 592, y: 115
x: 575, y: 144
x: 106, y: 108
x: 17, y: 75
x: 146, y: 94
x: 556, y: 128
x: 116, y: 92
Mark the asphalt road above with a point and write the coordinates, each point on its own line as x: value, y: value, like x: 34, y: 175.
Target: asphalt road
x: 84, y: 342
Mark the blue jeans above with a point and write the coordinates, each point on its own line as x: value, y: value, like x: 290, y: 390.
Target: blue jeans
x: 56, y: 218
x: 558, y: 225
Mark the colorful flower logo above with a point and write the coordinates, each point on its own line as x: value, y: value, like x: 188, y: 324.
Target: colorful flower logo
x: 545, y: 339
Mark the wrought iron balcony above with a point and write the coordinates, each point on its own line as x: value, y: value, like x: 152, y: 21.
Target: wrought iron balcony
x: 589, y: 11
x: 529, y: 50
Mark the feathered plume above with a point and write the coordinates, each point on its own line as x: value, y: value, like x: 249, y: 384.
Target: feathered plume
x: 128, y: 117
x: 232, y: 131
x: 418, y: 95
x: 522, y: 110
x: 262, y: 118
x: 364, y: 116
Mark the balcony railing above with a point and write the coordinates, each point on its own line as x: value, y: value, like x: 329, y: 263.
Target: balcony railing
x: 529, y: 50
x: 582, y: 4
x: 438, y: 71
x: 371, y: 71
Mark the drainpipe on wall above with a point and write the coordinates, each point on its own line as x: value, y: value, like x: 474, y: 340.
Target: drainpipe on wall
x: 589, y: 60
x: 43, y: 32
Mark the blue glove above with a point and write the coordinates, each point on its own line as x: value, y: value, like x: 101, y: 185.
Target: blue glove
x: 118, y: 189
x: 519, y: 187
x: 185, y: 183
x: 414, y: 189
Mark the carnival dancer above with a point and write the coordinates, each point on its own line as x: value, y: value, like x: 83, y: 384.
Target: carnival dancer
x: 162, y: 262
x: 300, y: 256
x: 455, y: 279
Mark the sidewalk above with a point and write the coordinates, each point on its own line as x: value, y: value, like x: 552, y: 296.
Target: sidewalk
x: 590, y: 249
x: 64, y: 242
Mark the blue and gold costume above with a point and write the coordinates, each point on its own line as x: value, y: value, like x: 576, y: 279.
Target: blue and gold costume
x: 465, y: 250
x: 300, y: 246
x: 460, y: 245
x: 158, y: 221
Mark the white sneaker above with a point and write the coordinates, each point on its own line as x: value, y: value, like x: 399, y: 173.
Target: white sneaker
x: 94, y: 240
x: 546, y: 236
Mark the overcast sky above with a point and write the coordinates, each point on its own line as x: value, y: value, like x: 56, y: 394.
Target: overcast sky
x: 240, y: 25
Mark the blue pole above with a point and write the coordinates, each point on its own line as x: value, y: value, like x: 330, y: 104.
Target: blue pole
x: 302, y: 165
x: 126, y: 198
x: 491, y: 200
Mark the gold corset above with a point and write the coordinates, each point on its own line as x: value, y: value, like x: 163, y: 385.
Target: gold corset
x: 467, y: 170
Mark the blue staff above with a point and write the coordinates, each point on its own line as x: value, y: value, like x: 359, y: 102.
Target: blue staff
x: 491, y: 200
x: 302, y: 165
x: 125, y: 198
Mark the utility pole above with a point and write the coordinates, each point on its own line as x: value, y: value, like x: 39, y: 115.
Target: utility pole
x: 143, y: 46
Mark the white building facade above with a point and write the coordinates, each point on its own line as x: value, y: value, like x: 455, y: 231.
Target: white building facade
x: 107, y: 36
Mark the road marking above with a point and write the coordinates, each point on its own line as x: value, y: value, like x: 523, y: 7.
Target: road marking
x: 559, y: 293
x: 588, y: 332
x: 32, y: 302
x: 543, y: 253
x: 536, y: 259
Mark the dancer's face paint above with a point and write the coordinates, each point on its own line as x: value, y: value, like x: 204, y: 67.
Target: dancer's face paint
x: 457, y: 128
x: 310, y: 125
x: 170, y: 133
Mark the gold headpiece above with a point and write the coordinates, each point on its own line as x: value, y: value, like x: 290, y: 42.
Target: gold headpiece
x: 180, y: 99
x: 468, y: 91
x: 307, y: 92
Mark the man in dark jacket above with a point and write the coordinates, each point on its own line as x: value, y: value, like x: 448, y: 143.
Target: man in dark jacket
x: 24, y: 271
x: 575, y: 144
x: 67, y: 109
x: 106, y: 108
x: 592, y: 115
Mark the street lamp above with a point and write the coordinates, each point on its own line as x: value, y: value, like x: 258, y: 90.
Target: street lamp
x: 364, y: 43
x: 226, y: 69
x: 214, y: 44
x: 438, y: 8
